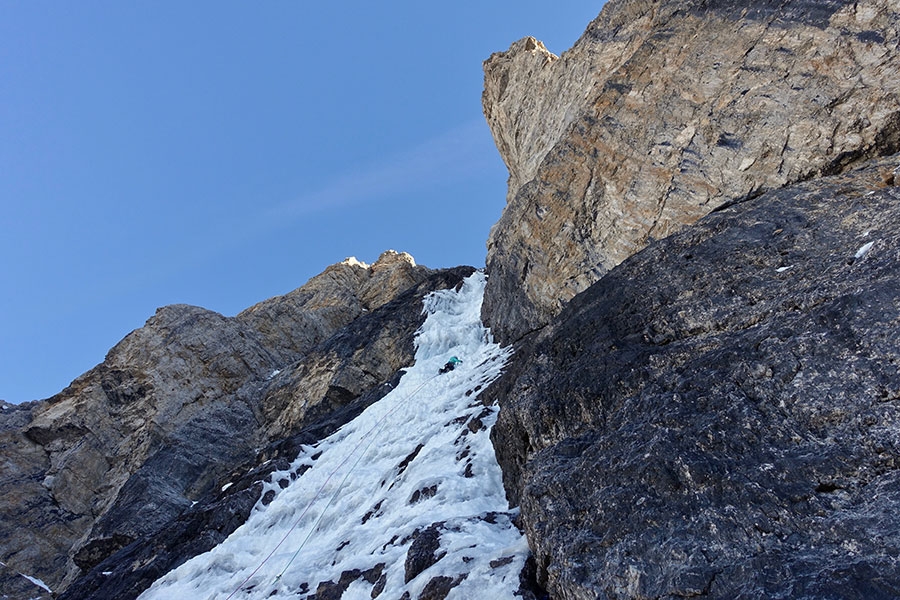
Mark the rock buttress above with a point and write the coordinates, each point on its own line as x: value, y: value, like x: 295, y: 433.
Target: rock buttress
x: 663, y: 111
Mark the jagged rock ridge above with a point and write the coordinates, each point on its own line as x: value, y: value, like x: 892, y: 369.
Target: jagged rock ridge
x: 662, y: 111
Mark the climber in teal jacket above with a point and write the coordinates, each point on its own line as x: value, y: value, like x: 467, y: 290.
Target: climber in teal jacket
x: 451, y: 364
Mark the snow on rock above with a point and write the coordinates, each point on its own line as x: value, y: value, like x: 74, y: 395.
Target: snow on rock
x: 33, y: 580
x: 863, y: 250
x: 404, y: 501
x: 38, y: 583
x: 354, y: 262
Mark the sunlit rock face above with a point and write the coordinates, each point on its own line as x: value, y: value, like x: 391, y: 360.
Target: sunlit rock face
x: 663, y: 111
x: 293, y: 323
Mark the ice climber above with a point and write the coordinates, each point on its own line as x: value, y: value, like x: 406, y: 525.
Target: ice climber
x: 451, y: 364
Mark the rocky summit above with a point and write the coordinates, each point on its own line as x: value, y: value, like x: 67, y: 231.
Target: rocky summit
x: 696, y: 281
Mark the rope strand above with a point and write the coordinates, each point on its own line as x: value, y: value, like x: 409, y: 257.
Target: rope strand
x: 318, y: 493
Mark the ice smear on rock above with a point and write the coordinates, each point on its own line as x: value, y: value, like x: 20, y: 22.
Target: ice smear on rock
x: 863, y: 250
x: 416, y: 469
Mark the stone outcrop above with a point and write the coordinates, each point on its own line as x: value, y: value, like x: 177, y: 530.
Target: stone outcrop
x: 718, y: 415
x: 699, y: 264
x: 181, y: 402
x: 294, y: 323
x: 663, y: 111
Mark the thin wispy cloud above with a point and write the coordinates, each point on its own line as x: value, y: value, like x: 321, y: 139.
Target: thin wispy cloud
x: 457, y: 154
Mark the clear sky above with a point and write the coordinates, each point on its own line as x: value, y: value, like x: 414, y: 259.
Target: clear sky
x: 220, y: 153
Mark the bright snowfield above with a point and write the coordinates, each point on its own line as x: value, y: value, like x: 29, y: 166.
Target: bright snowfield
x: 419, y: 457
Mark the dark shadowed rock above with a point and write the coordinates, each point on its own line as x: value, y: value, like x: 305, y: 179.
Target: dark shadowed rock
x: 718, y: 416
x: 334, y: 590
x: 423, y: 552
x: 439, y: 587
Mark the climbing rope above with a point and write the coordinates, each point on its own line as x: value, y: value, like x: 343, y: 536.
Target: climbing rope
x: 334, y: 496
x: 368, y: 435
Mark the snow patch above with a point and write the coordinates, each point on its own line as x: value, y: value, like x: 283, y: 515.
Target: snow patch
x: 353, y: 262
x: 415, y: 464
x: 33, y: 580
x: 864, y: 249
x: 37, y: 582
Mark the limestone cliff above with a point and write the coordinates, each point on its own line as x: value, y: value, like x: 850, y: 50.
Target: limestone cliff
x: 663, y: 111
x: 179, y: 403
x: 294, y: 323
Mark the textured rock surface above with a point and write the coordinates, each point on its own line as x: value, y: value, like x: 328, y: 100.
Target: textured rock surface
x: 716, y: 417
x: 179, y: 403
x: 294, y: 323
x: 163, y: 385
x: 22, y: 465
x: 719, y: 415
x: 129, y: 571
x: 662, y: 111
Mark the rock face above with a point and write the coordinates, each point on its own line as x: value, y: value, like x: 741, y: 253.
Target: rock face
x: 355, y: 359
x: 294, y: 323
x: 718, y: 416
x: 180, y: 403
x: 663, y: 111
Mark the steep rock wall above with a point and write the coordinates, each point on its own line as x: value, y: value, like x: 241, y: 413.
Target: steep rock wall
x: 718, y: 416
x: 662, y: 111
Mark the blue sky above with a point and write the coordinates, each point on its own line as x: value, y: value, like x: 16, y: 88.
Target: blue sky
x: 220, y: 153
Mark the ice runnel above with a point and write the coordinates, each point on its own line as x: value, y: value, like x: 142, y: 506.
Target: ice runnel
x: 405, y: 497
